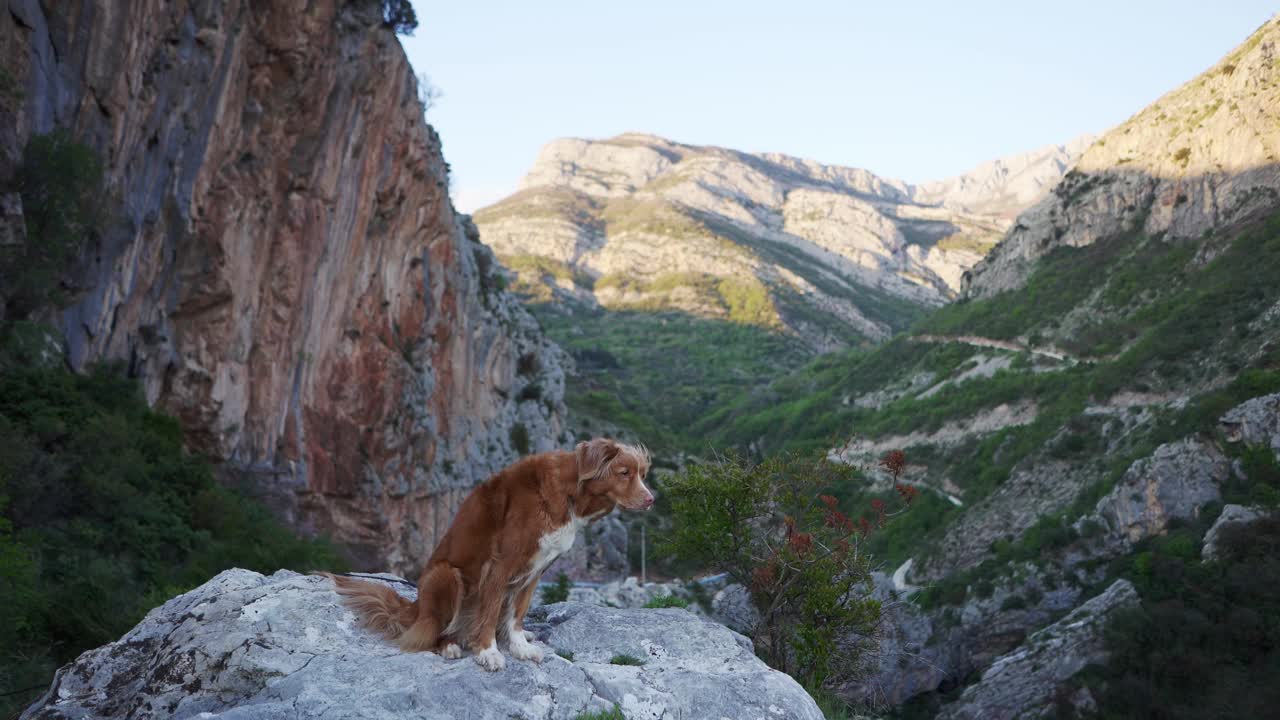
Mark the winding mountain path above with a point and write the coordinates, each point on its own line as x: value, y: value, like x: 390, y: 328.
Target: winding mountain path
x: 979, y: 341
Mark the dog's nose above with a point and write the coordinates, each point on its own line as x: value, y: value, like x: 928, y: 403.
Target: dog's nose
x: 648, y: 501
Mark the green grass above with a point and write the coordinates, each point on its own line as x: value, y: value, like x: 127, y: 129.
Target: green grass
x: 1186, y: 326
x: 980, y: 244
x: 1062, y: 280
x: 559, y: 592
x: 659, y: 373
x: 566, y: 654
x: 666, y: 601
x: 1160, y: 325
x: 535, y: 271
x: 614, y: 714
x: 895, y: 312
x: 541, y: 203
x: 738, y: 300
x: 623, y: 659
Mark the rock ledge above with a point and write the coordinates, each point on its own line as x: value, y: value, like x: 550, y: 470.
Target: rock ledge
x: 245, y: 646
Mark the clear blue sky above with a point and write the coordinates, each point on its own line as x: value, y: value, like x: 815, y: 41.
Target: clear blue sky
x: 911, y: 90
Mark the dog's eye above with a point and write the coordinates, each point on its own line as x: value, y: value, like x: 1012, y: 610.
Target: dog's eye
x: 623, y: 471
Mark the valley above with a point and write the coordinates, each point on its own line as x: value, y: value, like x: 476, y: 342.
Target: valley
x: 644, y: 253
x: 1015, y: 433
x: 1090, y: 351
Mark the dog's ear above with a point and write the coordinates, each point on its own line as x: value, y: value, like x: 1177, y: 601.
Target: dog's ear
x: 594, y: 456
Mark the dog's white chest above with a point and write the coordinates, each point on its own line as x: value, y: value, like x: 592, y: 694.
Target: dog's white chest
x: 556, y: 543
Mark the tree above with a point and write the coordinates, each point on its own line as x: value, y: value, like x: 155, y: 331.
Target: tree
x: 773, y: 527
x: 399, y: 16
x: 428, y: 94
x: 60, y: 182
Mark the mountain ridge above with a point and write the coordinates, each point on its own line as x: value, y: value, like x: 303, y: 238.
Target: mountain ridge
x: 1202, y: 156
x: 826, y: 243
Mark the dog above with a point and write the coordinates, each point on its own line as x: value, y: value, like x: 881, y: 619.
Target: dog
x: 480, y: 580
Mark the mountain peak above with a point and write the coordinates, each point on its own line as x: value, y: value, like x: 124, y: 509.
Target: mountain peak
x: 1202, y: 157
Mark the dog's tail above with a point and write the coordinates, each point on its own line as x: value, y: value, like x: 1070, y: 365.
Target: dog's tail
x: 378, y: 607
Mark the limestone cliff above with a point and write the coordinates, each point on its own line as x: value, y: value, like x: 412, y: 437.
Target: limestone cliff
x: 830, y: 253
x: 1202, y: 157
x: 282, y: 266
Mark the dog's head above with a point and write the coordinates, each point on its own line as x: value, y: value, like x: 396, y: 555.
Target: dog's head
x: 615, y: 470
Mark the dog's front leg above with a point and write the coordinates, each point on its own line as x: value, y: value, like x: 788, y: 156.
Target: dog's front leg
x: 521, y: 647
x: 489, y: 596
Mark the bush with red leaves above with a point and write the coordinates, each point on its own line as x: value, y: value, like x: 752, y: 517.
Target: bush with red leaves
x: 775, y: 527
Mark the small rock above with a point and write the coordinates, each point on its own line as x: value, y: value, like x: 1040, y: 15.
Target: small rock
x: 733, y: 607
x: 1254, y: 422
x: 1231, y: 516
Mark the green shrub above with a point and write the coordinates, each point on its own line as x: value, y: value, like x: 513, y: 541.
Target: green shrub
x: 1204, y: 641
x: 1013, y: 602
x: 1262, y: 473
x: 667, y: 601
x: 11, y: 92
x: 103, y: 516
x: 398, y: 15
x: 623, y: 659
x: 566, y: 654
x: 532, y: 391
x: 984, y: 589
x: 951, y: 590
x: 659, y: 373
x: 559, y: 592
x: 769, y: 526
x: 60, y: 182
x: 520, y: 438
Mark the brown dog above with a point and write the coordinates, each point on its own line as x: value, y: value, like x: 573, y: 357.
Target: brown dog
x: 481, y: 578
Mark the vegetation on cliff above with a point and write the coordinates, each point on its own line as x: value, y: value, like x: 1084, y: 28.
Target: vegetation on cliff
x: 1205, y: 641
x: 60, y: 183
x: 104, y: 516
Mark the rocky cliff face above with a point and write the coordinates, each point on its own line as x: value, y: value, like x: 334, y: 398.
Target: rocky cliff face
x: 282, y: 267
x: 1026, y: 682
x: 834, y: 253
x: 1200, y: 158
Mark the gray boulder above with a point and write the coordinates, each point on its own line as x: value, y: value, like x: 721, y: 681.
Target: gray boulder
x: 1231, y: 516
x: 1025, y: 682
x: 694, y: 668
x: 1177, y: 481
x: 732, y: 606
x: 1254, y: 422
x: 902, y: 662
x: 244, y: 646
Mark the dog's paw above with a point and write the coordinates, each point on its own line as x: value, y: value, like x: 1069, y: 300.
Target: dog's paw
x: 451, y: 652
x: 490, y: 659
x: 522, y: 649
